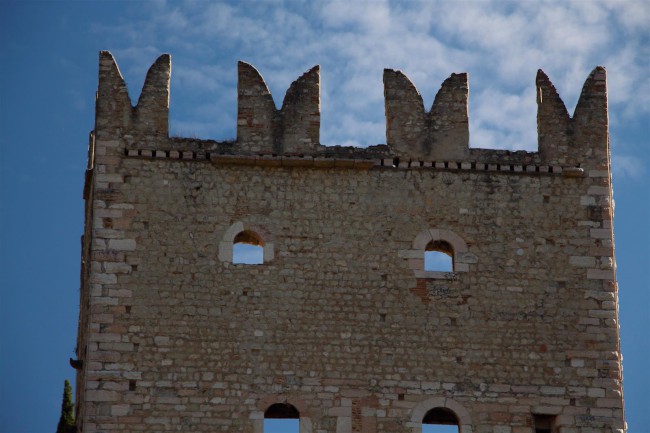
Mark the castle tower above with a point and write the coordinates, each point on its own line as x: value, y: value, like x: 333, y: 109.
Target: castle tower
x: 343, y: 322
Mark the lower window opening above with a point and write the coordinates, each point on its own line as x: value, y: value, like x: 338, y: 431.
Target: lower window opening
x: 440, y: 420
x: 281, y: 418
x: 438, y: 256
x: 248, y: 249
x: 281, y: 426
x: 437, y: 428
x: 544, y: 423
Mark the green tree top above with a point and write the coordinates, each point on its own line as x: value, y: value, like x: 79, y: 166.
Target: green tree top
x: 66, y: 422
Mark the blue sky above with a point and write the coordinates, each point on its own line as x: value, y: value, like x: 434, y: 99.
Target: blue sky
x: 48, y: 78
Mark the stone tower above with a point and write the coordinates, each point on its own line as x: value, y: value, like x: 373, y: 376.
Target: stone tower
x: 342, y: 324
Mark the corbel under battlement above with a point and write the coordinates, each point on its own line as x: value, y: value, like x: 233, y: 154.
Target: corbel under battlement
x: 370, y: 160
x: 414, y: 136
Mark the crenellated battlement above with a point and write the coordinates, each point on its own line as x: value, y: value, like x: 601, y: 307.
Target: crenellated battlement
x: 573, y: 139
x: 114, y: 113
x: 413, y: 135
x: 442, y: 132
x: 295, y: 128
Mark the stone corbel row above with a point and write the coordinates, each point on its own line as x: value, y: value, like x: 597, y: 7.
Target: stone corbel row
x: 333, y: 162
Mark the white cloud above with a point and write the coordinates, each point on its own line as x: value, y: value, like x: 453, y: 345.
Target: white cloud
x: 511, y: 123
x: 633, y: 15
x: 204, y: 77
x: 627, y: 167
x: 366, y: 17
x: 500, y: 43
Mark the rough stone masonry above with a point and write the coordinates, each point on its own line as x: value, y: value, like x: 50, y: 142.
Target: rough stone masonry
x: 342, y: 324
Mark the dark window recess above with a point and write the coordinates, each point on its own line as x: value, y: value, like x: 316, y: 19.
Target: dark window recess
x: 544, y: 423
x: 281, y: 411
x: 440, y: 415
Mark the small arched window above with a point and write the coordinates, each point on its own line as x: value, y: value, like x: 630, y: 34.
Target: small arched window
x: 439, y: 256
x: 440, y: 420
x: 248, y: 248
x: 245, y: 244
x: 281, y: 418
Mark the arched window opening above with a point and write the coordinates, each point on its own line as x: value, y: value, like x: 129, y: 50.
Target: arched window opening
x: 439, y: 257
x: 440, y: 420
x: 248, y: 248
x: 281, y: 418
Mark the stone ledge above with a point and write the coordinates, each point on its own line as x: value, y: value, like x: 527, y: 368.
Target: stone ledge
x: 436, y: 275
x: 334, y: 162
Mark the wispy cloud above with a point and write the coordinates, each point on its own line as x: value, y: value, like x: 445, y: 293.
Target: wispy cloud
x: 627, y: 167
x: 500, y: 43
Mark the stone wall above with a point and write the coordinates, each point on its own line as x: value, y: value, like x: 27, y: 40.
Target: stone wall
x: 342, y: 320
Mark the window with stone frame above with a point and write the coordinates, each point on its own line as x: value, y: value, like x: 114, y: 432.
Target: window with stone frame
x: 438, y: 254
x: 246, y: 244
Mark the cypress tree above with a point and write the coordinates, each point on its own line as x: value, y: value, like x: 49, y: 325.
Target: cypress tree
x: 66, y: 422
